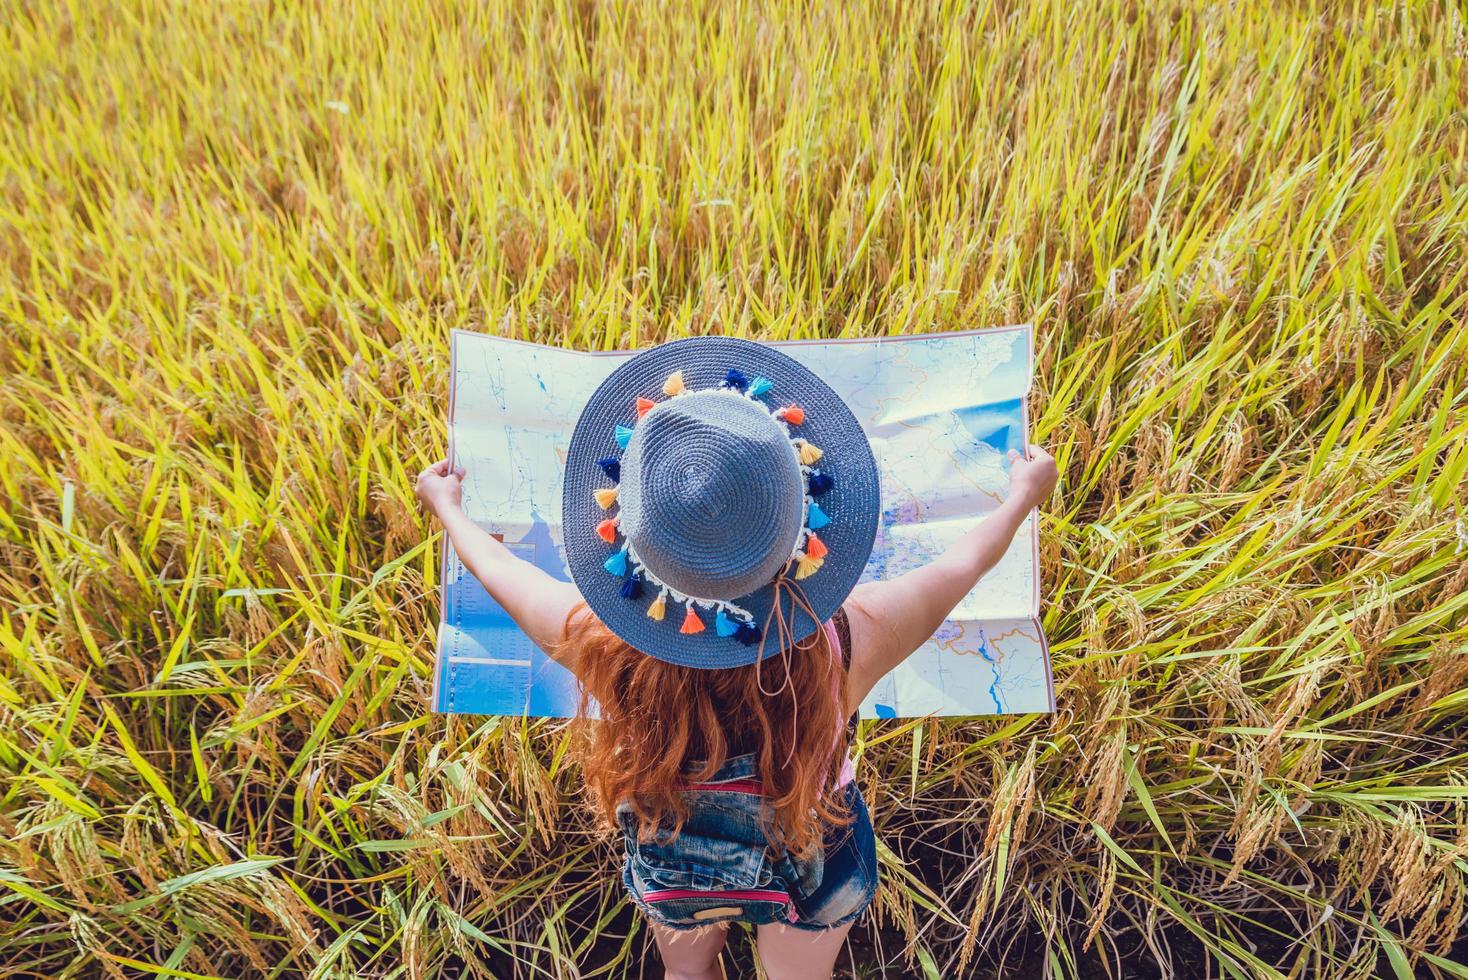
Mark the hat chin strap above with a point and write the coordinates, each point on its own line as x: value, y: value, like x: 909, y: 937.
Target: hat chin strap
x: 784, y: 629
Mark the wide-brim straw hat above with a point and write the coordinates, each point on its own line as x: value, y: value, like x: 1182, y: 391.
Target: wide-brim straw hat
x: 720, y: 502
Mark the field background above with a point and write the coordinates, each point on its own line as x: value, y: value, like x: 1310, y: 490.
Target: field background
x: 234, y: 237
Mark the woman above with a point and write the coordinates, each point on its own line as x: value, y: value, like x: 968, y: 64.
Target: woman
x: 720, y: 504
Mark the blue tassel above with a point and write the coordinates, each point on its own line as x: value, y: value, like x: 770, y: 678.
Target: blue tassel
x: 819, y: 483
x: 632, y: 587
x: 617, y: 564
x: 723, y: 625
x: 815, y: 518
x: 624, y: 436
x: 747, y: 633
x: 612, y: 467
x: 760, y: 386
x: 735, y: 379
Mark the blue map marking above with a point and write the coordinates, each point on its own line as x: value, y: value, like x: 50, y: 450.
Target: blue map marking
x: 885, y: 711
x: 994, y: 665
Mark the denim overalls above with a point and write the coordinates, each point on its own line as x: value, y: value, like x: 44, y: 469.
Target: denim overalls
x: 721, y: 867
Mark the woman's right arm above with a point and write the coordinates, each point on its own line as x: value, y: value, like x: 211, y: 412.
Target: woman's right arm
x: 891, y: 619
x: 537, y: 602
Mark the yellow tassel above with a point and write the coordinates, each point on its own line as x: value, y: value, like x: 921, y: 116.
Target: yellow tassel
x: 655, y: 611
x: 808, y: 566
x: 605, y: 497
x: 674, y: 384
x: 809, y: 454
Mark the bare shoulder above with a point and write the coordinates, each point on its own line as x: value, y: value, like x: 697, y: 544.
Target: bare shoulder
x: 875, y: 644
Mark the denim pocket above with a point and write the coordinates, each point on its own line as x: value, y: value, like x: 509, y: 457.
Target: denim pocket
x: 850, y: 873
x: 804, y: 873
x: 716, y: 848
x: 695, y: 861
x: 700, y: 878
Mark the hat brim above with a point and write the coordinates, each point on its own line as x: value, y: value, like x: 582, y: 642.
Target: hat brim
x: 853, y: 503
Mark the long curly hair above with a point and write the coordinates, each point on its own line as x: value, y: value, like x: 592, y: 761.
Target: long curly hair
x: 641, y: 719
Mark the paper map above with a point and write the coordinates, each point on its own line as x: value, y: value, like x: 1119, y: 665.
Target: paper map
x: 941, y: 411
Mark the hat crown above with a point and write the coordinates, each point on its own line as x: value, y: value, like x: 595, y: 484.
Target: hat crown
x: 712, y: 495
x: 689, y: 519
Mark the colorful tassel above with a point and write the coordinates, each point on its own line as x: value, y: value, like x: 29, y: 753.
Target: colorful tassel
x: 644, y: 405
x: 623, y: 436
x: 815, y: 518
x: 605, y: 497
x: 807, y: 566
x: 674, y: 385
x: 810, y: 453
x: 632, y: 587
x: 819, y: 483
x: 612, y: 467
x: 793, y: 414
x: 747, y: 633
x: 655, y: 611
x: 617, y: 564
x: 723, y: 625
x: 691, y: 623
x: 607, y: 530
x: 815, y: 547
x: 760, y: 386
x: 736, y: 379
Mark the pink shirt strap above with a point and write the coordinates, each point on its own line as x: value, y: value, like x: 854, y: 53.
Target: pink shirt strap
x: 848, y: 773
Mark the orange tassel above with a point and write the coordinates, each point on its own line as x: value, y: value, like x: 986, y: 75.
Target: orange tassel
x: 607, y: 530
x: 815, y: 547
x: 793, y: 414
x: 691, y: 623
x: 644, y: 405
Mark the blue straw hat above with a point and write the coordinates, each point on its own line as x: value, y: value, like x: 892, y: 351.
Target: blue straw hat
x: 720, y: 502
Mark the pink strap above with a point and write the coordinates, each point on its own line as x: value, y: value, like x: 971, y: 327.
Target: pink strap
x: 731, y: 786
x: 834, y: 638
x: 848, y: 773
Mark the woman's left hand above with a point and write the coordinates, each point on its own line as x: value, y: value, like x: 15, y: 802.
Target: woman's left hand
x: 440, y: 488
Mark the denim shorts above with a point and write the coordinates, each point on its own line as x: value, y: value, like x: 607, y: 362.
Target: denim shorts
x: 720, y: 867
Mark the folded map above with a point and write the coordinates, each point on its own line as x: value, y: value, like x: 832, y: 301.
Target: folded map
x: 941, y: 411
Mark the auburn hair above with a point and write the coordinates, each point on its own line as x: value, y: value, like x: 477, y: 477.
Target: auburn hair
x: 641, y: 719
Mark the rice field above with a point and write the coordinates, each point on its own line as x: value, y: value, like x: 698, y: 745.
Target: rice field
x: 234, y: 237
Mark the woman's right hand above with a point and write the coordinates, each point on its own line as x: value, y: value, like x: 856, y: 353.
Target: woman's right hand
x: 440, y: 488
x: 1032, y: 477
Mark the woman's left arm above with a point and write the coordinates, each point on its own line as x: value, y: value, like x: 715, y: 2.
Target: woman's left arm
x: 538, y: 603
x: 891, y: 619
